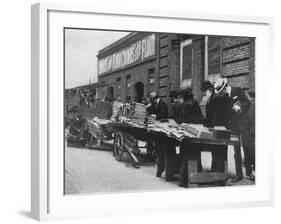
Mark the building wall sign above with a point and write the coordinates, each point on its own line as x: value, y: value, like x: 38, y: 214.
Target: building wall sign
x: 136, y: 52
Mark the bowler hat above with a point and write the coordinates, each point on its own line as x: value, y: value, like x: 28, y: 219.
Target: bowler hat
x: 206, y: 85
x: 173, y: 94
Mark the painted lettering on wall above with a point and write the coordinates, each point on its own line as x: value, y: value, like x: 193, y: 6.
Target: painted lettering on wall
x: 136, y: 52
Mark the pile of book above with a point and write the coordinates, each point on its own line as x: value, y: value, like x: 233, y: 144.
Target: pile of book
x: 186, y: 127
x: 151, y: 119
x: 100, y: 121
x: 116, y: 108
x: 138, y: 113
x: 197, y: 130
x: 220, y: 132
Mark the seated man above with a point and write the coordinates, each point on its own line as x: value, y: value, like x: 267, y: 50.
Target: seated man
x: 77, y: 128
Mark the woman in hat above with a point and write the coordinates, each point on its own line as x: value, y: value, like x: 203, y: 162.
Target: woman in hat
x: 176, y: 106
x: 191, y: 114
x: 191, y: 110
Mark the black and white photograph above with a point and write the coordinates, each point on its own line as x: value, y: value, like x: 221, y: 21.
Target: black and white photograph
x: 148, y: 111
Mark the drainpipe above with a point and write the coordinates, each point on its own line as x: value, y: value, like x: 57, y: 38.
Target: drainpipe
x: 206, y: 59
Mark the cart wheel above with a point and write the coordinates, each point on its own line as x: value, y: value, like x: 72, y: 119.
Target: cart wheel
x: 118, y: 145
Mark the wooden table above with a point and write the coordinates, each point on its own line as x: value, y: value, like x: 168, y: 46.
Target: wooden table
x: 191, y: 160
x: 192, y: 157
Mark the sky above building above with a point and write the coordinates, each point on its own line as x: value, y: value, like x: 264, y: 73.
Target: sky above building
x: 81, y: 49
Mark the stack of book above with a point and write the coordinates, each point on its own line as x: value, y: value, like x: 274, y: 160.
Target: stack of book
x: 139, y: 113
x: 197, y: 130
x: 151, y: 120
x: 116, y: 109
x: 188, y: 128
x: 220, y: 132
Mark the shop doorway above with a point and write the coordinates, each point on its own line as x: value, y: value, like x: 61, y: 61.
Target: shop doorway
x: 139, y: 90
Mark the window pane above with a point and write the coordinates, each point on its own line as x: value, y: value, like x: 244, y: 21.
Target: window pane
x: 214, y: 54
x: 187, y: 62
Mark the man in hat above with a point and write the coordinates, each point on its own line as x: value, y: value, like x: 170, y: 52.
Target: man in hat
x: 176, y: 106
x: 217, y: 114
x: 77, y: 126
x: 238, y: 123
x: 157, y: 107
x: 166, y: 151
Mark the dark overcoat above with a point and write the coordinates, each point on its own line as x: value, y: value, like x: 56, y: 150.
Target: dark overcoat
x: 239, y: 120
x: 218, y: 110
x: 191, y: 112
x: 160, y: 109
x: 176, y: 111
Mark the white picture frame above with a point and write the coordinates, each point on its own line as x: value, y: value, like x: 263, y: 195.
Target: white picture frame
x: 47, y: 198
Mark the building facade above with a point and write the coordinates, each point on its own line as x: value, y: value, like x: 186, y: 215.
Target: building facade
x: 142, y: 62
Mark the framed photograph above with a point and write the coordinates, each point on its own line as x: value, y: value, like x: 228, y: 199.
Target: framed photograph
x: 152, y: 109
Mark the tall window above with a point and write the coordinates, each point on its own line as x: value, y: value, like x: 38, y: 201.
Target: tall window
x: 118, y: 91
x: 186, y: 65
x: 151, y: 79
x: 214, y: 55
x: 128, y: 87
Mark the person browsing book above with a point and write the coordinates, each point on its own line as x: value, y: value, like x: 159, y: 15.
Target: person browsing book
x: 238, y: 123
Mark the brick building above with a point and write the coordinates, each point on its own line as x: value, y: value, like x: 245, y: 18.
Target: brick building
x: 141, y: 62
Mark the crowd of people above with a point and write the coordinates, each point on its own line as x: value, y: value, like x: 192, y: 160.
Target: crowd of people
x: 87, y: 98
x: 226, y: 106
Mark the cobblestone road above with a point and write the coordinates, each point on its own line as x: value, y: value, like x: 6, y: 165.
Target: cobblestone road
x: 93, y: 171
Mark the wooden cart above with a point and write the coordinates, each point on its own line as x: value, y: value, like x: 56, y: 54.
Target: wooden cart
x: 127, y: 135
x: 126, y: 142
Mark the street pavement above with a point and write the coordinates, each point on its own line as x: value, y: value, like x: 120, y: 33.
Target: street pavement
x: 95, y: 171
x: 91, y: 171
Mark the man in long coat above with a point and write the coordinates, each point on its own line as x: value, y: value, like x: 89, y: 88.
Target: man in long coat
x: 217, y: 114
x: 166, y: 151
x: 238, y: 123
